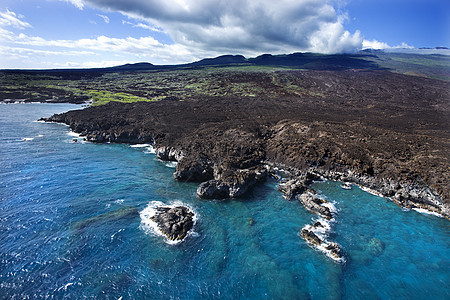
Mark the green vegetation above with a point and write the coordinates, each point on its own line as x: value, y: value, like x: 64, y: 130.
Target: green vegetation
x: 247, y: 81
x: 252, y: 79
x: 103, y: 97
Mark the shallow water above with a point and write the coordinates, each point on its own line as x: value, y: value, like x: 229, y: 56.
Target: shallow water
x: 70, y: 226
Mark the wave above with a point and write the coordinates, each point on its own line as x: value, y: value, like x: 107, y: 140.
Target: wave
x: 371, y: 191
x: 148, y: 148
x: 140, y: 145
x: 427, y: 212
x: 150, y: 227
x: 27, y: 139
x: 74, y: 134
x: 171, y: 164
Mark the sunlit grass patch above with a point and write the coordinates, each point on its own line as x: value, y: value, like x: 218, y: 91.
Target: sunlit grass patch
x: 103, y: 97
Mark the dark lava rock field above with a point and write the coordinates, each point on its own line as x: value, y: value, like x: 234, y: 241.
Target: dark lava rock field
x: 382, y: 130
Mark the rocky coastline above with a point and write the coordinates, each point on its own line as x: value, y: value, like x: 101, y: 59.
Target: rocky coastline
x: 228, y: 145
x: 394, y: 144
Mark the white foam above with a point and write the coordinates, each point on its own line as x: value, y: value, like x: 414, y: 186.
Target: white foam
x: 371, y: 191
x: 331, y: 206
x: 40, y: 135
x: 427, y: 212
x: 113, y: 235
x: 149, y: 226
x: 150, y: 149
x: 74, y: 134
x: 27, y: 139
x: 322, y: 233
x: 140, y: 145
x: 171, y: 164
x: 328, y: 253
x: 65, y: 286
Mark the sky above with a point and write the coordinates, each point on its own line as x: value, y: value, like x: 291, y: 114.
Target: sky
x: 43, y: 34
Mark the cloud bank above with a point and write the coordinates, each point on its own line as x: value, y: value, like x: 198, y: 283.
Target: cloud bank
x: 244, y: 26
x: 9, y: 18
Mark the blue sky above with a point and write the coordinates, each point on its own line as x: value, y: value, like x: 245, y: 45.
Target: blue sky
x: 100, y: 33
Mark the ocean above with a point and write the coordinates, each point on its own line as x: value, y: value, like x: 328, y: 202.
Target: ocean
x: 73, y: 225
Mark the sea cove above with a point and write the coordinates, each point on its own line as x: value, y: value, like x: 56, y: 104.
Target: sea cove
x: 72, y: 226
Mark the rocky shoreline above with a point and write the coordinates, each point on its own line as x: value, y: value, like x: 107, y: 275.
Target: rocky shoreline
x: 396, y: 147
x: 227, y: 150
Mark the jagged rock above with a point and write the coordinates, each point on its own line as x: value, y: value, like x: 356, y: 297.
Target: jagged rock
x: 174, y: 222
x: 231, y: 184
x: 296, y: 186
x: 194, y: 169
x: 291, y: 188
x: 334, y: 249
x: 317, y: 224
x: 314, y: 204
x: 311, y: 237
x: 169, y: 153
x: 213, y: 189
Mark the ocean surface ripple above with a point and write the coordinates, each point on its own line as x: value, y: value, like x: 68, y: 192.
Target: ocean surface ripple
x: 71, y: 225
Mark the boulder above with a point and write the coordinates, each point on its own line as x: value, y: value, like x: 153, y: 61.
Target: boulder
x: 334, y: 249
x: 174, y: 222
x: 314, y: 204
x: 311, y: 237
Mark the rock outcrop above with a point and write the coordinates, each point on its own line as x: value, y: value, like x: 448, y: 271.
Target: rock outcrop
x: 316, y: 235
x: 296, y: 186
x: 315, y: 204
x: 174, y: 222
x: 231, y: 184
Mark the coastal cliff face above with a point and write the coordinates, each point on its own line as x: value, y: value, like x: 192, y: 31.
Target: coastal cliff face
x: 384, y: 131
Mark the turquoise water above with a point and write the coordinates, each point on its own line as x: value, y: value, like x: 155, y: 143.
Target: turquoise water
x: 70, y: 227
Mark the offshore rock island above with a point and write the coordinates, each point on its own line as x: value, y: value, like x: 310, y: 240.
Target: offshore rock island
x: 384, y: 131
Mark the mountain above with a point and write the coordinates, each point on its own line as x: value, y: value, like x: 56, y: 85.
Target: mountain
x: 425, y: 65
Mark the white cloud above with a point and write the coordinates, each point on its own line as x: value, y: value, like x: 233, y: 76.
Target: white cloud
x: 142, y: 25
x: 94, y: 64
x: 244, y: 26
x: 105, y: 18
x: 132, y: 49
x: 375, y: 44
x: 10, y: 18
x: 78, y: 3
x: 148, y: 27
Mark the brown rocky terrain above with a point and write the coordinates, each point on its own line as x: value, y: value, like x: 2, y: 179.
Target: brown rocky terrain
x: 385, y: 131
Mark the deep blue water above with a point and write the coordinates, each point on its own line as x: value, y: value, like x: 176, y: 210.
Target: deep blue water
x: 70, y: 227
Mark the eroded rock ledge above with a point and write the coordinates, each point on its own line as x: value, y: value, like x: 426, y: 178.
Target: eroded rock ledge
x: 396, y: 145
